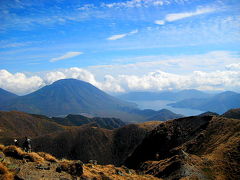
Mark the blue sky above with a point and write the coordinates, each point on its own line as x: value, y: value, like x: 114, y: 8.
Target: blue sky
x: 119, y: 44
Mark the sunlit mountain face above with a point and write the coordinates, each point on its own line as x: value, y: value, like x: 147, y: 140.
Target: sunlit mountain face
x: 120, y: 45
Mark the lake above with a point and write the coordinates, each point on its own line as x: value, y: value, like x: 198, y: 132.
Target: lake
x: 162, y: 104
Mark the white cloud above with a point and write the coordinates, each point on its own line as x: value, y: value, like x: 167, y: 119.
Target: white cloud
x: 86, y: 7
x: 117, y: 36
x: 19, y: 83
x: 66, y: 56
x: 235, y: 66
x: 177, y: 16
x: 133, y: 32
x: 181, y: 63
x: 152, y: 81
x: 135, y: 4
x: 159, y: 80
x: 120, y: 36
x: 159, y: 22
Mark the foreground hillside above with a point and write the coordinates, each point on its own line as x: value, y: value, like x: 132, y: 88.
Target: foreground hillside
x: 201, y: 147
x: 16, y: 164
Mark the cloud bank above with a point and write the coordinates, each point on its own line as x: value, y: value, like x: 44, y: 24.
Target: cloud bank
x: 66, y: 56
x: 20, y: 83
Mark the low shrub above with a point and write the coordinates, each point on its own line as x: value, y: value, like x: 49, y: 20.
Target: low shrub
x: 34, y: 157
x: 48, y: 157
x: 13, y: 151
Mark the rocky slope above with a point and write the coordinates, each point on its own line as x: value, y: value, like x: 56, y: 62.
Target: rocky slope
x: 16, y: 164
x: 201, y: 147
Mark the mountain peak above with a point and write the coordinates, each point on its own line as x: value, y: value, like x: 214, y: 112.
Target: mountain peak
x: 69, y: 81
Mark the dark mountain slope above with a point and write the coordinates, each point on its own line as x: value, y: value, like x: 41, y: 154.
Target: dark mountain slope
x: 6, y: 95
x: 232, y: 113
x: 152, y: 115
x: 163, y: 115
x: 78, y: 120
x: 87, y: 142
x: 219, y: 103
x: 201, y: 147
x: 69, y: 96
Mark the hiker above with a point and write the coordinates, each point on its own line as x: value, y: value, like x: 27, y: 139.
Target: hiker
x: 16, y: 142
x: 27, y: 145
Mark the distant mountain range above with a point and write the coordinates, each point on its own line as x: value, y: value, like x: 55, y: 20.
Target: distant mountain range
x: 78, y: 120
x: 219, y: 103
x: 191, y: 99
x: 164, y: 95
x: 71, y: 96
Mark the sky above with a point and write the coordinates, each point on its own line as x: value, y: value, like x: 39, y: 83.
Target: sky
x: 120, y: 45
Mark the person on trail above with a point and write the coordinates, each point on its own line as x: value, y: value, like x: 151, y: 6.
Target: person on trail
x: 15, y: 142
x: 27, y: 145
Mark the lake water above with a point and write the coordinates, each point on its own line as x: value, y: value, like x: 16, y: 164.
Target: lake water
x: 161, y: 104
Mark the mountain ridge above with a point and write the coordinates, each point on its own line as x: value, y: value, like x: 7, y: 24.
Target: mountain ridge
x: 219, y: 103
